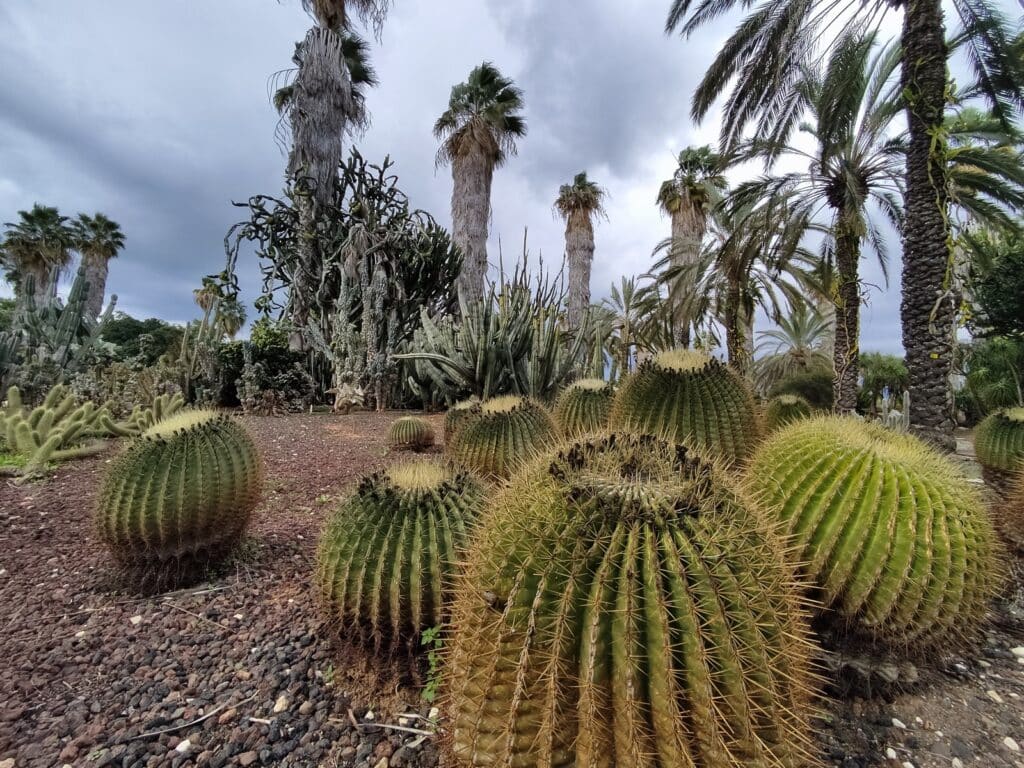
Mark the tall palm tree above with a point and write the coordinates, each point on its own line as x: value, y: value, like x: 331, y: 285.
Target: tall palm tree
x: 761, y: 63
x: 97, y: 239
x: 230, y: 316
x: 854, y: 171
x: 478, y: 132
x: 38, y: 245
x: 579, y: 204
x: 688, y: 198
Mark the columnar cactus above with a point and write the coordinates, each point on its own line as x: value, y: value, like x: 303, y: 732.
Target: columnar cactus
x: 387, y: 557
x: 783, y: 409
x: 999, y: 445
x: 687, y: 396
x: 179, y: 497
x: 500, y: 434
x: 455, y: 415
x: 410, y: 433
x: 584, y: 407
x: 896, y: 541
x: 624, y: 605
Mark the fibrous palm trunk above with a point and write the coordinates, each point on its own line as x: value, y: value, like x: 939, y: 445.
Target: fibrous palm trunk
x: 928, y: 307
x: 845, y: 351
x: 472, y: 173
x: 95, y: 270
x: 736, y: 328
x: 579, y: 251
x: 689, y: 224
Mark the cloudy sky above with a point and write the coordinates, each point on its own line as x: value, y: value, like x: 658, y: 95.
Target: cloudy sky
x: 157, y: 114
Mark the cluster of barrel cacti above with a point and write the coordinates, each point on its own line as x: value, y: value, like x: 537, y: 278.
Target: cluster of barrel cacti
x: 179, y: 497
x: 410, y: 433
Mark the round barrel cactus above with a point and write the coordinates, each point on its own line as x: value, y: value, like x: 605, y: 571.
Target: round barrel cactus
x: 387, y: 556
x: 584, y: 407
x: 180, y: 496
x: 1009, y: 517
x: 624, y: 605
x: 999, y: 445
x: 893, y: 538
x: 410, y: 433
x: 783, y: 409
x: 688, y: 396
x: 455, y: 415
x: 500, y: 434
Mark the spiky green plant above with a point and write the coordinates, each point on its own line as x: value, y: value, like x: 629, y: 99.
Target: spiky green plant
x: 179, y: 497
x: 999, y: 445
x: 584, y: 407
x: 784, y: 409
x: 893, y: 537
x: 500, y: 434
x: 410, y: 433
x: 688, y: 396
x: 454, y: 416
x: 1009, y: 517
x: 624, y: 605
x: 388, y: 555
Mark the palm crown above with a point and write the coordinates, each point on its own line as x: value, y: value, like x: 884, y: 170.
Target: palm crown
x: 698, y: 178
x: 39, y: 242
x: 482, y: 116
x: 97, y: 236
x: 582, y: 196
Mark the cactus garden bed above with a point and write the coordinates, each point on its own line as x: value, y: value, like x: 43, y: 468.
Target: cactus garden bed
x: 240, y: 669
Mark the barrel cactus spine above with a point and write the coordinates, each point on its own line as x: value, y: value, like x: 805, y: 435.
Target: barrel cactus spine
x: 584, y: 407
x: 501, y: 434
x: 784, y: 409
x: 687, y: 396
x: 410, y: 433
x: 999, y: 445
x: 892, y: 537
x: 1009, y: 517
x: 622, y: 604
x: 179, y: 497
x: 387, y: 557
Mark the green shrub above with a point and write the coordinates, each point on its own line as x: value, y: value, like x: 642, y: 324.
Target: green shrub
x: 179, y: 497
x: 784, y: 409
x: 813, y: 386
x: 388, y: 555
x: 410, y: 433
x: 889, y: 532
x: 623, y: 605
x: 500, y: 434
x: 584, y: 407
x: 687, y: 396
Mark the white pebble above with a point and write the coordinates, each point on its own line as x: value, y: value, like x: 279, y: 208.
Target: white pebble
x: 135, y: 620
x: 994, y: 696
x: 1018, y: 651
x: 958, y: 763
x: 368, y: 715
x: 1011, y: 744
x: 433, y: 714
x: 239, y: 616
x: 183, y: 746
x: 281, y: 704
x: 899, y: 724
x: 80, y: 633
x: 907, y: 764
x: 890, y: 753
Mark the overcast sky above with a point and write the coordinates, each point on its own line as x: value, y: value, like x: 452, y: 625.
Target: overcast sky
x: 157, y: 114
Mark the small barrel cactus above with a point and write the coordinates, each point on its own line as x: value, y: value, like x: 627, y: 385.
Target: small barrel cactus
x: 179, y: 497
x: 688, y: 396
x: 584, y: 407
x: 896, y: 541
x: 387, y: 557
x: 500, y: 434
x: 410, y: 433
x: 455, y: 415
x: 783, y: 409
x: 623, y: 605
x: 999, y: 445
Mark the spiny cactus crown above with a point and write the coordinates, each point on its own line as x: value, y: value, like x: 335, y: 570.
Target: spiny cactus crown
x: 999, y: 441
x: 500, y: 434
x: 411, y: 432
x: 622, y: 605
x: 584, y: 407
x: 890, y: 532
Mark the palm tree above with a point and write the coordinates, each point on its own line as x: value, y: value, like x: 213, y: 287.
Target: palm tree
x: 855, y: 167
x: 688, y: 198
x: 797, y: 345
x: 230, y: 316
x: 579, y: 204
x: 478, y: 132
x: 762, y: 62
x: 208, y: 298
x: 98, y: 239
x: 38, y: 245
x: 631, y: 306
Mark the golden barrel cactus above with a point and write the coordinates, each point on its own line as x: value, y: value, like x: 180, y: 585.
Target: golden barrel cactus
x: 500, y: 434
x: 410, y: 433
x: 584, y: 407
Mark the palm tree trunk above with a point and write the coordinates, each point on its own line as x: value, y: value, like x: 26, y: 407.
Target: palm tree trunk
x: 472, y: 174
x: 688, y: 227
x: 734, y: 334
x: 579, y: 251
x: 846, y: 347
x: 95, y: 270
x: 928, y: 307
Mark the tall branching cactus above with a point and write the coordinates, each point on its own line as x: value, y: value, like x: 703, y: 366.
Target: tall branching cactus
x: 687, y: 396
x: 501, y: 434
x: 179, y: 497
x: 624, y: 605
x: 388, y: 556
x: 893, y: 537
x: 784, y: 409
x: 584, y: 407
x: 999, y: 444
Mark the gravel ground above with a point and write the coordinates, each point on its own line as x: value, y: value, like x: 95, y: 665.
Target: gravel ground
x: 241, y: 670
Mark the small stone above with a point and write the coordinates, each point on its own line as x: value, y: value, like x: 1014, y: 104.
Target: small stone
x: 135, y: 620
x: 281, y: 704
x: 382, y: 763
x: 983, y: 664
x: 994, y: 696
x: 896, y: 723
x: 958, y: 763
x: 183, y: 746
x: 1018, y: 651
x: 306, y: 708
x: 247, y: 758
x: 1011, y: 745
x: 368, y: 715
x: 9, y: 762
x: 433, y: 714
x: 80, y: 634
x: 907, y: 764
x: 890, y: 753
x: 227, y: 716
